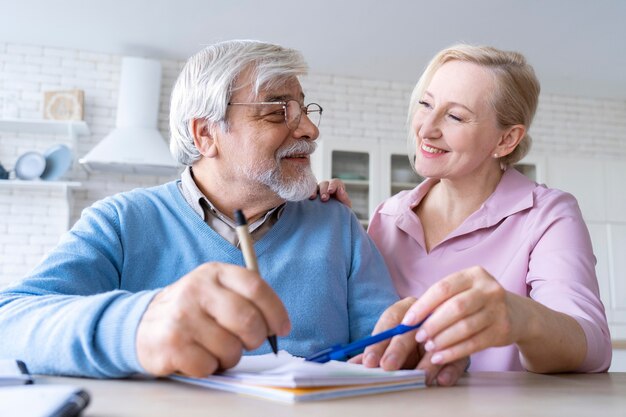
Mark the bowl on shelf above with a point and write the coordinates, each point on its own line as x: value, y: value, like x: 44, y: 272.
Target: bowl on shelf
x: 30, y: 165
x: 58, y: 162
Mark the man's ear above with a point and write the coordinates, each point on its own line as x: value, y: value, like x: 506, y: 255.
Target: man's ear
x: 510, y: 139
x: 203, y: 137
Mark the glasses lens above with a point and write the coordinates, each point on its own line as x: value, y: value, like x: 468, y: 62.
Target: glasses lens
x: 314, y: 112
x: 294, y: 113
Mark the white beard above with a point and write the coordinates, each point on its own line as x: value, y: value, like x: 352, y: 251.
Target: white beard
x: 295, y: 189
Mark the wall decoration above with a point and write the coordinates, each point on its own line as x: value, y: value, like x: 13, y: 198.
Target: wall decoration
x: 63, y: 105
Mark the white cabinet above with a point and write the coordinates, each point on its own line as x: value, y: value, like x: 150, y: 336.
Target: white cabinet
x: 600, y: 189
x: 371, y: 170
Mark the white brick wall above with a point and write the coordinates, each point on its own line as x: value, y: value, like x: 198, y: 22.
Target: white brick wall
x: 31, y: 221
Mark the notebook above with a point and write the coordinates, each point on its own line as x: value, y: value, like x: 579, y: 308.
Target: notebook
x: 290, y: 379
x: 43, y: 401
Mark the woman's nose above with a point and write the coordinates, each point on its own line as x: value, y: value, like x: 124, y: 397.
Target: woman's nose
x: 428, y: 125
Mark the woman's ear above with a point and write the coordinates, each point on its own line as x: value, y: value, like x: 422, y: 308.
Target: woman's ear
x: 509, y: 140
x: 203, y: 137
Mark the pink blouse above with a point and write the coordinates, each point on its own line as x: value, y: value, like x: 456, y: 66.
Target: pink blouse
x: 532, y: 239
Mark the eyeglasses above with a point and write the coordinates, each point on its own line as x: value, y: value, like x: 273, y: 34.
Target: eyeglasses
x: 290, y: 111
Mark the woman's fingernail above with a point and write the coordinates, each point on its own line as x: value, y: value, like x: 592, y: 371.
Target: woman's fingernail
x: 324, y: 196
x: 409, y: 319
x: 429, y: 346
x: 436, y: 359
x: 421, y: 336
x: 391, y: 361
x: 370, y: 360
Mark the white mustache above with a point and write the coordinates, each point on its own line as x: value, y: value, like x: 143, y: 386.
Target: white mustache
x: 301, y: 147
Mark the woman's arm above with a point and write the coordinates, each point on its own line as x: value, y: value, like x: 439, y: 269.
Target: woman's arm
x: 471, y: 312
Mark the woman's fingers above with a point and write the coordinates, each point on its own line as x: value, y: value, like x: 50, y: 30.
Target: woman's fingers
x: 436, y: 295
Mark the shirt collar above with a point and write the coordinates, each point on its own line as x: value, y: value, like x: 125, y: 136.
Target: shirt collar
x: 199, y: 202
x: 513, y: 194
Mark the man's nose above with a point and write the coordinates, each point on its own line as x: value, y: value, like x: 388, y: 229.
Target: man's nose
x: 306, y: 128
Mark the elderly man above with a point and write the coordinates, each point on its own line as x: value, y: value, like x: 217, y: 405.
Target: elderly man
x: 151, y: 281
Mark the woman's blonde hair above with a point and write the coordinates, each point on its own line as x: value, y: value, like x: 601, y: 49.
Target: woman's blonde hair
x: 514, y: 98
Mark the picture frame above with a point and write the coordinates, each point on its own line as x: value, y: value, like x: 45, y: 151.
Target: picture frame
x: 63, y: 105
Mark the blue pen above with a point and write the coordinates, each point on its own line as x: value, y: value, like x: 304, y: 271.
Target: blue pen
x: 341, y: 352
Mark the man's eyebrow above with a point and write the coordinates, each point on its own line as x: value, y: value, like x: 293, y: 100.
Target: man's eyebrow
x: 281, y: 97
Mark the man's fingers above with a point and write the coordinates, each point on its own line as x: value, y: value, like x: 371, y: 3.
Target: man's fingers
x: 401, y: 352
x: 450, y: 374
x: 194, y: 360
x: 237, y: 315
x: 250, y: 286
x: 220, y: 343
x: 358, y: 359
x: 390, y: 318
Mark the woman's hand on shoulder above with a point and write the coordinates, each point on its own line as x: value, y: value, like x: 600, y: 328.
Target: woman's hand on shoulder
x: 333, y: 188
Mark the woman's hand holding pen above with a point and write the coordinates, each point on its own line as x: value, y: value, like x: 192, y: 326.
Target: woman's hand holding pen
x: 201, y: 323
x: 469, y: 311
x: 404, y: 352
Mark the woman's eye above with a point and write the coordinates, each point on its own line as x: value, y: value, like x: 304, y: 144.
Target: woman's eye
x: 424, y: 104
x: 455, y: 118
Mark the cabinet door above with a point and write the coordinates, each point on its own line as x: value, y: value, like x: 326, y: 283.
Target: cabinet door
x: 585, y: 179
x: 533, y: 166
x: 357, y: 165
x: 617, y: 260
x: 396, y: 172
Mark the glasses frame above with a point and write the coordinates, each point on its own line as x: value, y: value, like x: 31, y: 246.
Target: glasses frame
x: 304, y: 109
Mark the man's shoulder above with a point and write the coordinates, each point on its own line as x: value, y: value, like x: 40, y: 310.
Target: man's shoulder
x: 137, y: 199
x: 321, y: 209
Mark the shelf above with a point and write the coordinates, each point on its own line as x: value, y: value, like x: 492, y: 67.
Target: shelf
x: 404, y: 185
x: 39, y: 184
x: 357, y: 183
x: 72, y: 128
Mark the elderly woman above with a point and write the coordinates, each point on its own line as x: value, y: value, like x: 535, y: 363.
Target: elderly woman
x: 503, y: 266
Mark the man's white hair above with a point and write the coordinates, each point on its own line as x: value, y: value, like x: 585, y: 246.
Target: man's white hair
x: 205, y: 85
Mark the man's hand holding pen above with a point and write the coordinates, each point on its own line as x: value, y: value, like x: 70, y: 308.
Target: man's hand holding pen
x: 203, y: 321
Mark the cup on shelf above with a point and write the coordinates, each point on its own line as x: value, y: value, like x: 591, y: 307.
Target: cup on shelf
x: 4, y: 174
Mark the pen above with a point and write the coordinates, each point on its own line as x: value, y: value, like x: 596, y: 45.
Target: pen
x: 341, y: 352
x: 249, y: 257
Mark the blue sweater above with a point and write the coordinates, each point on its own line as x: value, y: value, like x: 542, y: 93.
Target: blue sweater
x: 78, y: 311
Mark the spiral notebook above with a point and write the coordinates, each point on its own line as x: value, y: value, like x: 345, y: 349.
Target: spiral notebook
x: 290, y: 379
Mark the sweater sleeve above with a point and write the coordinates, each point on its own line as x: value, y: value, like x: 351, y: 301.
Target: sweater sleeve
x: 561, y: 275
x: 69, y: 316
x: 370, y: 290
